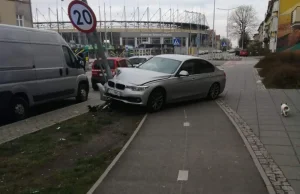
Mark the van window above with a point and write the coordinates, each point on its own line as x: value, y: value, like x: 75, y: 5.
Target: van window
x: 69, y: 57
x: 47, y: 56
x: 14, y: 55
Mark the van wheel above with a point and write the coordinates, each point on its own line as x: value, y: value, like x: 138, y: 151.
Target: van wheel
x: 82, y: 93
x: 19, y: 108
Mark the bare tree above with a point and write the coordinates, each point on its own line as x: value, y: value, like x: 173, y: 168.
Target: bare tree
x: 243, y: 20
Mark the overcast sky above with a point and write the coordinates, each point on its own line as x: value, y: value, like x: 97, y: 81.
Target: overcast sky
x: 117, y: 6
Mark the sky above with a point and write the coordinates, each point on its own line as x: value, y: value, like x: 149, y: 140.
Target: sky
x: 117, y: 7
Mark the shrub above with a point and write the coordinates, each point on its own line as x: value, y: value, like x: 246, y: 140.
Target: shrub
x: 280, y: 70
x: 284, y: 76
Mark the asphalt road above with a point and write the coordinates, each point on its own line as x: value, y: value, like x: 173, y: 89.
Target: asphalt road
x: 189, y: 148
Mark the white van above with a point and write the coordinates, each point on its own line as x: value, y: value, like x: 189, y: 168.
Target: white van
x: 37, y: 66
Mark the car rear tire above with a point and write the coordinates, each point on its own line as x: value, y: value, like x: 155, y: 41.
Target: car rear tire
x: 156, y: 100
x: 82, y: 93
x: 214, y: 91
x: 19, y: 108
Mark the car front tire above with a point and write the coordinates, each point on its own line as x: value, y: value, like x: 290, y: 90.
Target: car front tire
x: 156, y: 100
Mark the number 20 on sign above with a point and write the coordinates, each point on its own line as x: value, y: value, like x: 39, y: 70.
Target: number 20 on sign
x: 82, y: 16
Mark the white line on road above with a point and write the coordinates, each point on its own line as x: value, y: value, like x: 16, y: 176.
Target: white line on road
x: 185, y: 115
x: 183, y: 175
x: 186, y: 124
x: 99, y: 181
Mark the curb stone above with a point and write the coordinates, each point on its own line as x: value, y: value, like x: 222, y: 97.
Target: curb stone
x: 275, y: 180
x: 259, y: 84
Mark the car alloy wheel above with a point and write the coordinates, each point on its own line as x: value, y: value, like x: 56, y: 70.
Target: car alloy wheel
x: 214, y: 91
x: 156, y: 101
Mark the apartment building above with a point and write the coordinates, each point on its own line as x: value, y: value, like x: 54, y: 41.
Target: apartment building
x: 16, y: 12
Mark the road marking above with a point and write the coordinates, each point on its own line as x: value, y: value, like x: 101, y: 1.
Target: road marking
x: 185, y: 115
x: 99, y: 181
x: 186, y: 124
x: 183, y: 175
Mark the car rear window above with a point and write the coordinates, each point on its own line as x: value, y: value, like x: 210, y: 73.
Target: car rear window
x: 109, y: 61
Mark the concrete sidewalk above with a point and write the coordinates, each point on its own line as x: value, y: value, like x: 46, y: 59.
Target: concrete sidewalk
x: 188, y: 149
x: 260, y: 108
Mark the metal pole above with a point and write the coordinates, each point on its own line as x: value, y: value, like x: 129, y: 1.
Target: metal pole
x: 227, y: 25
x: 148, y: 17
x: 213, y: 32
x: 138, y: 12
x: 242, y: 35
x: 57, y: 16
x: 105, y: 32
x: 111, y: 34
x: 37, y: 16
x: 100, y: 23
x: 101, y: 54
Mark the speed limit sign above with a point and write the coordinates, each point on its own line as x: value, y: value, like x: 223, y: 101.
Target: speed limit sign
x: 82, y: 16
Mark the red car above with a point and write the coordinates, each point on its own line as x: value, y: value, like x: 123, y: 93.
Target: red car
x: 244, y: 53
x: 113, y: 62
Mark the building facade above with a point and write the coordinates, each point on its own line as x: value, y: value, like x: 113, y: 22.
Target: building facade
x: 16, y: 12
x: 280, y: 31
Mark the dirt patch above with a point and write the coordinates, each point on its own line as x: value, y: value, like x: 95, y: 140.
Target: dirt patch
x: 68, y: 157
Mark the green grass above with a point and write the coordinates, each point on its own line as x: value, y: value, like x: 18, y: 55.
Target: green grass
x: 39, y: 162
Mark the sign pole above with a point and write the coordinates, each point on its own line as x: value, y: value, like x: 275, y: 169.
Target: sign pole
x: 101, y: 54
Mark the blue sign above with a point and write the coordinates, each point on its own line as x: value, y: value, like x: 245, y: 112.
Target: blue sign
x: 126, y: 48
x: 224, y: 44
x: 176, y: 42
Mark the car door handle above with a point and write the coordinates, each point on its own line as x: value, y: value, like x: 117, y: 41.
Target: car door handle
x: 60, y: 72
x: 67, y: 71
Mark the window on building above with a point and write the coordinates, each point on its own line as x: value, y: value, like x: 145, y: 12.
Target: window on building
x: 20, y: 20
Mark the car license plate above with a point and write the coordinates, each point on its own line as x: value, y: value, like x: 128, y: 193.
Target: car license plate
x: 114, y: 92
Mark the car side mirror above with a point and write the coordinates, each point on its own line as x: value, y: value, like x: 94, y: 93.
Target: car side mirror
x: 183, y: 73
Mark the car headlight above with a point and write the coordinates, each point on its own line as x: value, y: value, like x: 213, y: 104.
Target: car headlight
x: 137, y: 88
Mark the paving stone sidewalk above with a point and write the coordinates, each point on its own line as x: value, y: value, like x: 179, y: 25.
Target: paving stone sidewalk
x: 260, y: 108
x: 36, y: 123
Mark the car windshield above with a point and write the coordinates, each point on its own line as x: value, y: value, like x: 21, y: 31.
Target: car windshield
x: 137, y: 60
x: 162, y: 65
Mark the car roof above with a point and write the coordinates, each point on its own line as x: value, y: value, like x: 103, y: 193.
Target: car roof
x: 177, y: 57
x: 115, y: 58
x: 144, y: 56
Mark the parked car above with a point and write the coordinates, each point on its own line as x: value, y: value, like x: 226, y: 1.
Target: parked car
x: 138, y: 60
x: 114, y: 62
x: 37, y: 66
x: 244, y: 53
x: 165, y: 79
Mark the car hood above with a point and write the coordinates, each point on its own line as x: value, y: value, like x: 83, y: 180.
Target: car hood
x: 136, y: 76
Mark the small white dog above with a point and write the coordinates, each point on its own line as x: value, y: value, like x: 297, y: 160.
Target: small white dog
x: 285, y: 109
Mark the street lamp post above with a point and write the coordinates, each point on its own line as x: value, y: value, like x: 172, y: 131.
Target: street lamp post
x: 213, y: 32
x: 228, y: 10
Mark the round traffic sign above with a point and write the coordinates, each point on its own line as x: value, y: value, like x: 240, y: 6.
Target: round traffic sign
x: 82, y: 16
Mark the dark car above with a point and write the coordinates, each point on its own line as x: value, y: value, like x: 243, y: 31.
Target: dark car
x: 113, y: 62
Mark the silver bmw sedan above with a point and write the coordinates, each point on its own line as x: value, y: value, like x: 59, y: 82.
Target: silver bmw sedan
x: 165, y: 79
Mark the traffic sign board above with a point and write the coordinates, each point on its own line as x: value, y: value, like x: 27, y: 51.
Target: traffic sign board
x: 176, y: 42
x: 82, y: 16
x: 224, y: 44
